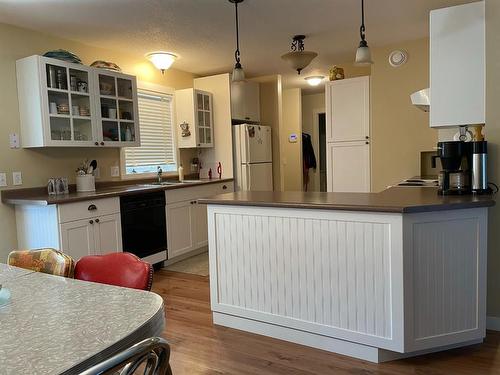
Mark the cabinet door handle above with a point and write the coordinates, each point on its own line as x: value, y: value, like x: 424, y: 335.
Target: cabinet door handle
x: 367, y: 137
x: 102, y: 143
x: 91, y: 221
x: 224, y: 187
x: 97, y: 143
x: 97, y: 221
x: 92, y: 207
x: 367, y: 142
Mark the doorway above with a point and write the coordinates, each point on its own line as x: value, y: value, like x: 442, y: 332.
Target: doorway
x: 322, y: 150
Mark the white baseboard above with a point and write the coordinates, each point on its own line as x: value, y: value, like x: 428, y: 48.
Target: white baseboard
x: 493, y: 323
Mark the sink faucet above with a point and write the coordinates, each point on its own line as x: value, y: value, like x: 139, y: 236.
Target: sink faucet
x: 158, y: 174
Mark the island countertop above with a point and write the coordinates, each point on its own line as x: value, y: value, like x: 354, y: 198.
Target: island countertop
x: 394, y: 199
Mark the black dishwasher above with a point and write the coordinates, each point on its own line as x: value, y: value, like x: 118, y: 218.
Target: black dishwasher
x: 144, y: 229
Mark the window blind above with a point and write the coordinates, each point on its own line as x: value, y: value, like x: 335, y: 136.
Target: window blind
x: 156, y: 132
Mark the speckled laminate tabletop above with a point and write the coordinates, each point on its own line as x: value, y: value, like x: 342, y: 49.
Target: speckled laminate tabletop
x: 55, y: 325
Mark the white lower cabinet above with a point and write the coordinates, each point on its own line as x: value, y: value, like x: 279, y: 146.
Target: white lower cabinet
x: 348, y: 167
x: 77, y: 229
x: 179, y: 228
x: 187, y: 228
x: 77, y: 238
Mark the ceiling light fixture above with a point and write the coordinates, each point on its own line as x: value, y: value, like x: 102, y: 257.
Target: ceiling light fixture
x: 238, y: 73
x: 298, y: 59
x: 363, y: 54
x: 314, y: 80
x: 161, y: 60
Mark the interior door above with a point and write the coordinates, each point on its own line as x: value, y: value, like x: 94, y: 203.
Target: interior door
x: 348, y: 167
x: 78, y: 238
x: 258, y: 177
x: 257, y: 144
x: 348, y: 110
x: 108, y: 234
x: 179, y: 228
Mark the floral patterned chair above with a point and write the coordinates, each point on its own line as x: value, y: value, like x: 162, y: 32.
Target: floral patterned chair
x: 46, y: 260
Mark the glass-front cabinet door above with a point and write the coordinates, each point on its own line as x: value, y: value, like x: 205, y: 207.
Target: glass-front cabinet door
x: 204, y: 118
x: 118, y: 122
x: 71, y: 121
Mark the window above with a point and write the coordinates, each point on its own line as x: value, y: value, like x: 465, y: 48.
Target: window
x: 157, y: 138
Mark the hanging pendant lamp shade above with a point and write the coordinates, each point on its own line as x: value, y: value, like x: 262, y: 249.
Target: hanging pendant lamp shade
x: 298, y: 59
x: 238, y: 73
x: 363, y: 53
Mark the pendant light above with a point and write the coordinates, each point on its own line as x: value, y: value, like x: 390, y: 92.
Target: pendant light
x: 238, y: 73
x: 363, y: 54
x: 298, y: 59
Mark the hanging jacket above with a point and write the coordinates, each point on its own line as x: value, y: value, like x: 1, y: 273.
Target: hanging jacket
x: 308, y: 152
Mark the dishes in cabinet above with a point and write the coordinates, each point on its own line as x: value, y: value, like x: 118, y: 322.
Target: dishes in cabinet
x: 63, y: 109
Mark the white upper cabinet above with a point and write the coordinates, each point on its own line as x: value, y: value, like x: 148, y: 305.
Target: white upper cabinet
x: 61, y: 104
x: 348, y: 110
x: 245, y: 101
x: 194, y: 118
x: 457, y: 71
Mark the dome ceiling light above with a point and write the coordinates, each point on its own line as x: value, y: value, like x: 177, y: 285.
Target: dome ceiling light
x: 363, y: 54
x: 314, y: 80
x: 298, y: 59
x: 161, y: 60
x: 238, y: 73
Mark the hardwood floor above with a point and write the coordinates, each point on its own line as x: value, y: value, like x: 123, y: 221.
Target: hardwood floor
x: 199, y: 347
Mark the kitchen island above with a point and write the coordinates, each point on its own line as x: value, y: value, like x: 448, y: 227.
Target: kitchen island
x: 375, y: 276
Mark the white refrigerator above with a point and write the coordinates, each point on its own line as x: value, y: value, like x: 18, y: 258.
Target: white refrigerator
x: 253, y: 157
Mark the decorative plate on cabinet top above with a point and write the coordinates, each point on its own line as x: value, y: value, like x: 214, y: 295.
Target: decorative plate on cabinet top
x: 63, y: 55
x: 106, y: 65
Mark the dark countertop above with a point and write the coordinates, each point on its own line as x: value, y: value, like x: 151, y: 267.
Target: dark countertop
x: 39, y: 196
x: 395, y: 199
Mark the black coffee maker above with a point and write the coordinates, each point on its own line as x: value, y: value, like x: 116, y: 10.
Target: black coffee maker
x: 456, y: 160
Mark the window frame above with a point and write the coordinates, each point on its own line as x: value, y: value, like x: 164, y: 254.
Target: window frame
x: 161, y: 90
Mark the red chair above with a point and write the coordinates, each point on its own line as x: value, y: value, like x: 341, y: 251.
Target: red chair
x: 120, y: 269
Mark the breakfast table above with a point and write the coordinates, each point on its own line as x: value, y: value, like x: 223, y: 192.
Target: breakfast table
x: 56, y: 325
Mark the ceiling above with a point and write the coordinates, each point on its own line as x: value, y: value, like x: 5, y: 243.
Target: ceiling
x: 202, y: 32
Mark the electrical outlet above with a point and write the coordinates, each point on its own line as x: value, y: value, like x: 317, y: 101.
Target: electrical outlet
x: 3, y: 179
x: 17, y: 178
x: 115, y: 171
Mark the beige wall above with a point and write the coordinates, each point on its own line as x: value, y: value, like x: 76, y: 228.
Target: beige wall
x: 38, y: 165
x: 492, y: 130
x: 399, y: 130
x: 291, y: 157
x: 220, y: 87
x: 271, y: 115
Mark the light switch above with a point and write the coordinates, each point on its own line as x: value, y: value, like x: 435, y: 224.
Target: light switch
x: 115, y: 171
x: 17, y: 178
x: 3, y: 179
x: 14, y: 140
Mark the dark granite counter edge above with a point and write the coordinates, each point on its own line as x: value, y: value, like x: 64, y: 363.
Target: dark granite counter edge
x: 27, y: 196
x: 344, y: 207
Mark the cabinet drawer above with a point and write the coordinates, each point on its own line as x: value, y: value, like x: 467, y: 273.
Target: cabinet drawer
x: 196, y: 192
x: 87, y: 209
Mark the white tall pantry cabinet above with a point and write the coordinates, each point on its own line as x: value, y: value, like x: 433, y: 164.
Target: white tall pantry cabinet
x: 457, y: 68
x: 348, y: 135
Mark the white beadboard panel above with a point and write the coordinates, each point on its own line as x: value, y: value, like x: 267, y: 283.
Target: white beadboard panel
x: 445, y: 267
x: 37, y: 226
x: 445, y: 278
x: 315, y: 269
